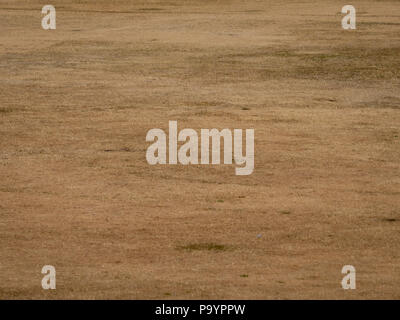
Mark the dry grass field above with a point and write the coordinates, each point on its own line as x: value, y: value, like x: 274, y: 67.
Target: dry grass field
x: 77, y: 193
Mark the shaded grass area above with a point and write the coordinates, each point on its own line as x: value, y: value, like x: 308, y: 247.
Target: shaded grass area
x: 342, y: 63
x: 5, y: 110
x: 217, y: 64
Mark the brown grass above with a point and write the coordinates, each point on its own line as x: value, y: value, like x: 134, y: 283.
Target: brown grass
x: 76, y: 191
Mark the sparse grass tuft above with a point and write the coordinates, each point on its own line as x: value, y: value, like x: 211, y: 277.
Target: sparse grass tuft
x: 204, y: 246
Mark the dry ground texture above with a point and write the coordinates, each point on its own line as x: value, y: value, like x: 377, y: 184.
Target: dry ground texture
x: 76, y: 191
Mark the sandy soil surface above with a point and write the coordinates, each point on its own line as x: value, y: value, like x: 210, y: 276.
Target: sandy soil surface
x: 77, y: 193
